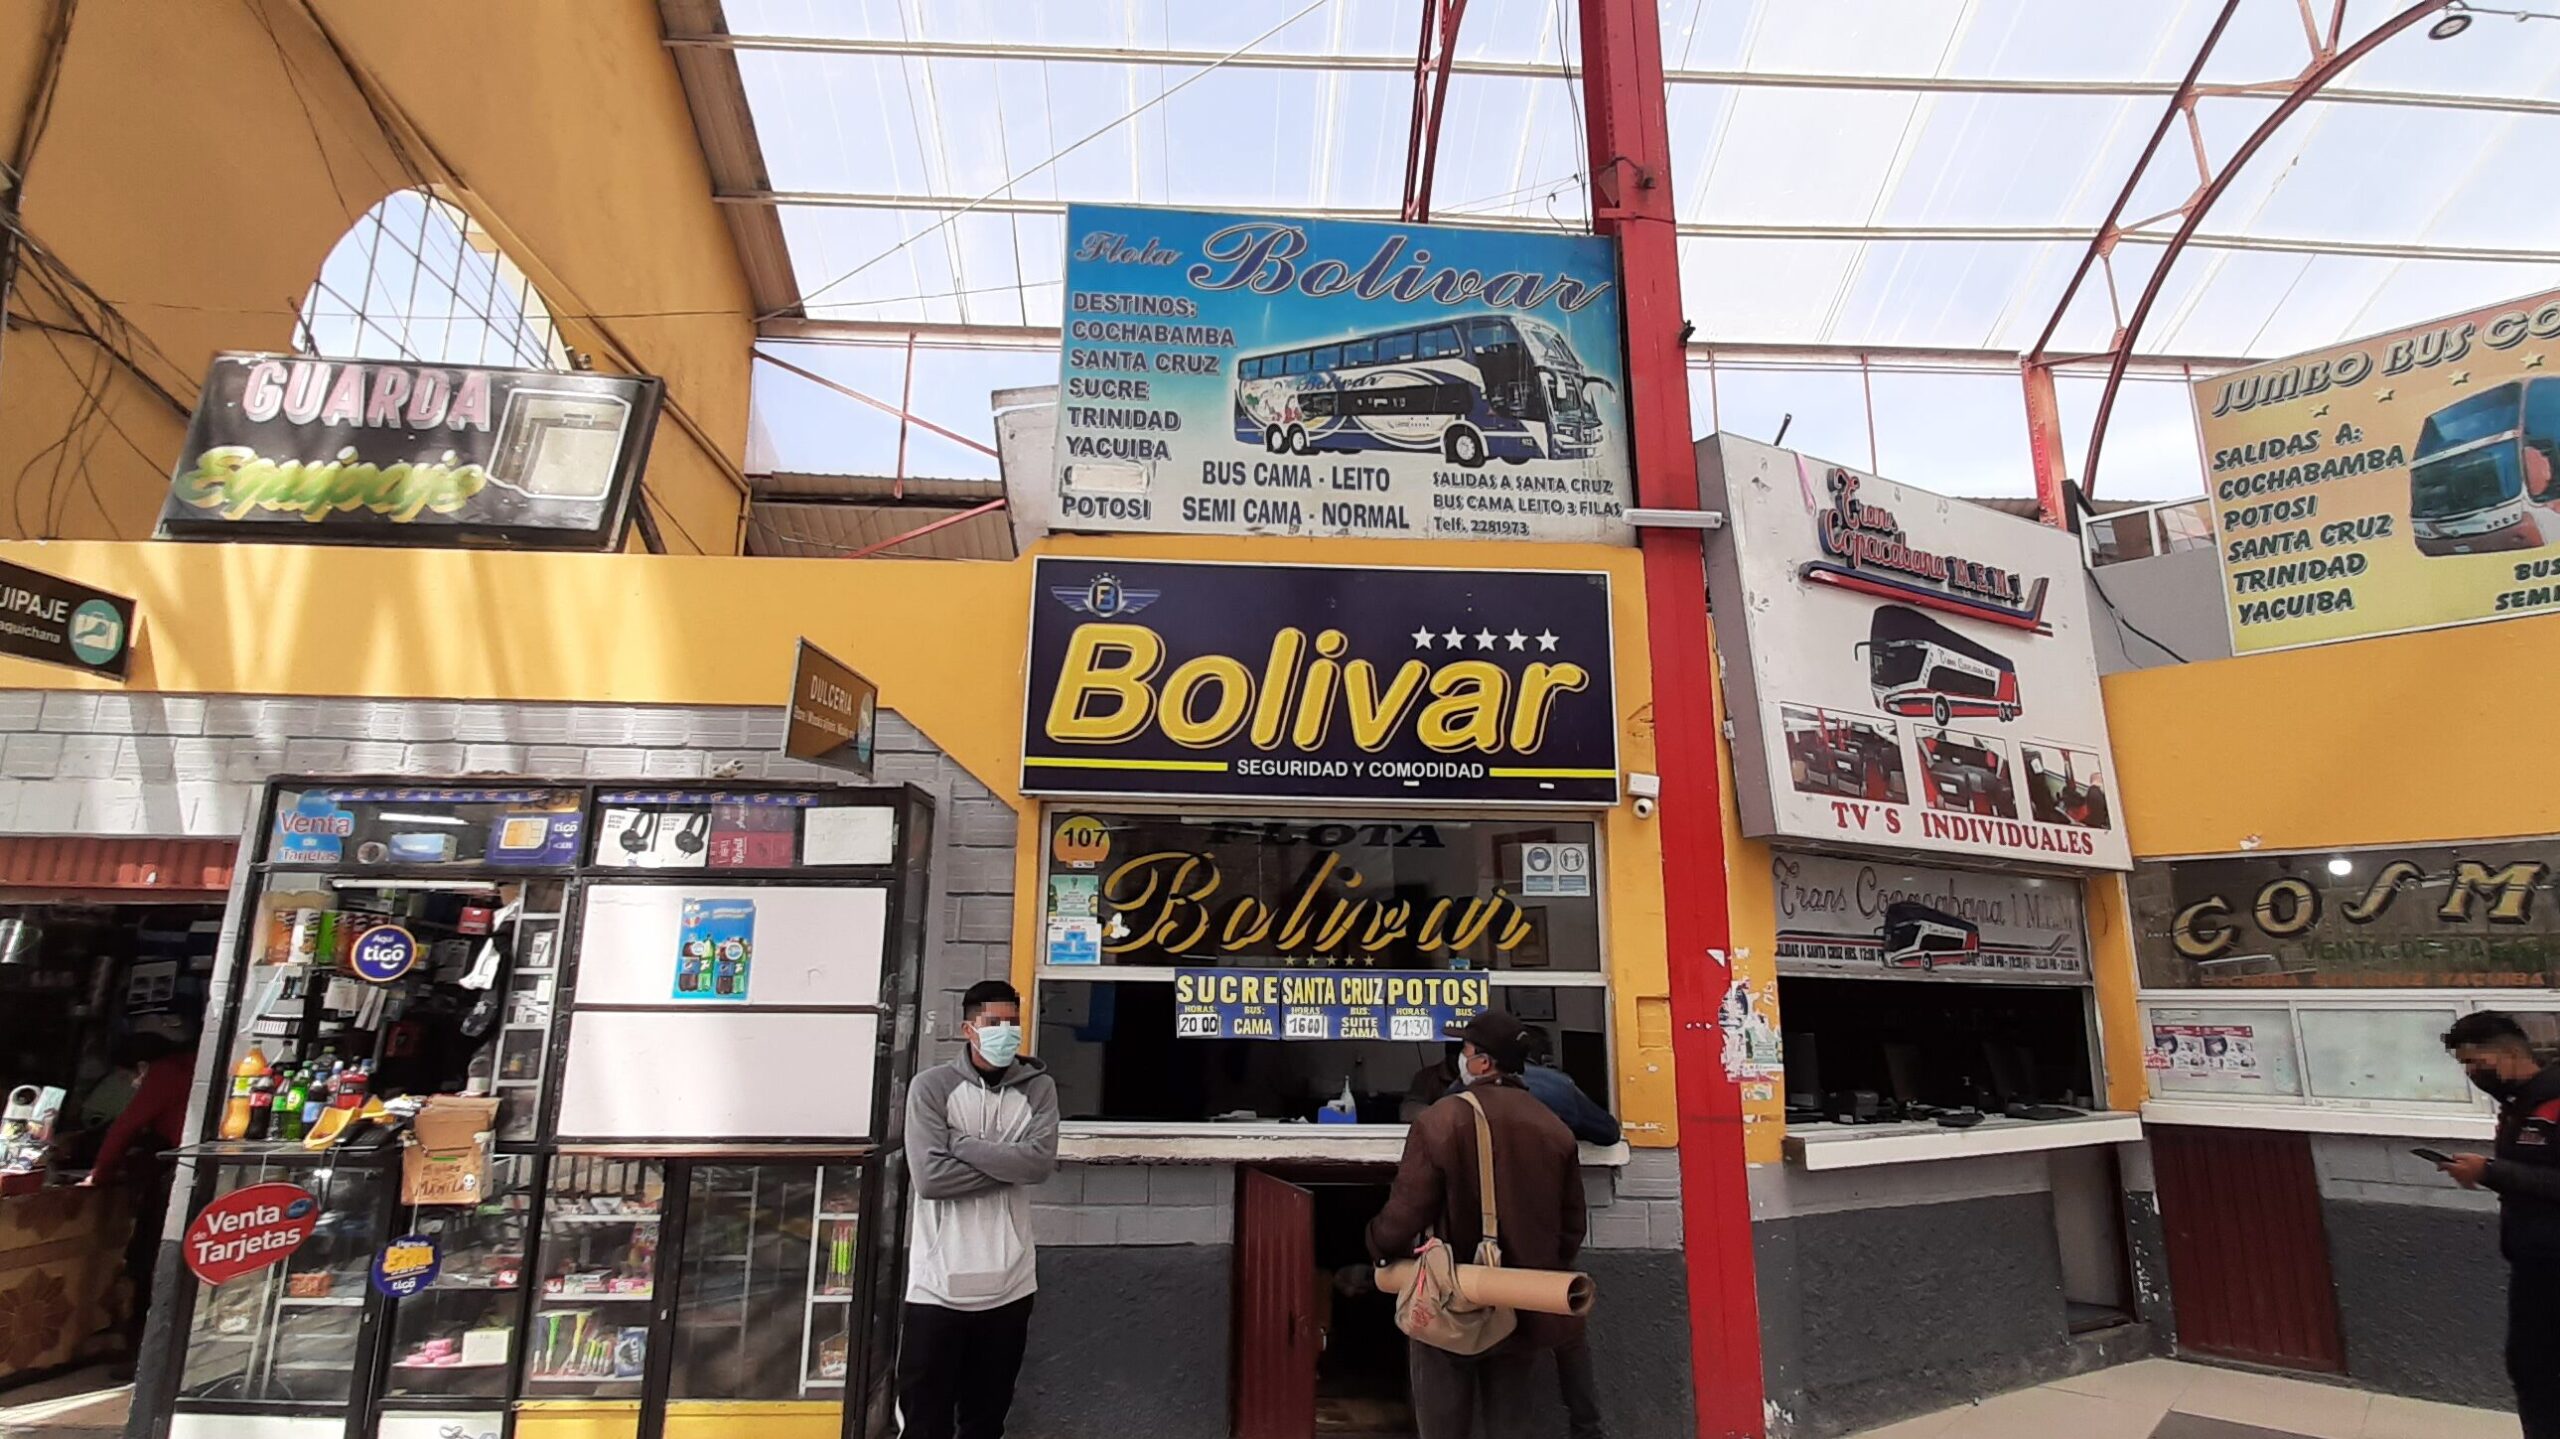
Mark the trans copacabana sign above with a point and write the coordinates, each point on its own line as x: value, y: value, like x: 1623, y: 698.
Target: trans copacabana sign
x: 1320, y: 682
x: 1904, y: 671
x: 1235, y: 374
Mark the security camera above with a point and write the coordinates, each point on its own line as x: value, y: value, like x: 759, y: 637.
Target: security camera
x: 1646, y: 790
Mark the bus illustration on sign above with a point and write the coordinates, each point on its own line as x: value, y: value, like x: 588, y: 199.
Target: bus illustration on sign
x: 1487, y: 386
x: 2486, y: 476
x: 1917, y: 936
x: 1917, y: 666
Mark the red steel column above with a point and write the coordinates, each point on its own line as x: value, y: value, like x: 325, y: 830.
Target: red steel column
x: 2044, y: 442
x: 1632, y: 199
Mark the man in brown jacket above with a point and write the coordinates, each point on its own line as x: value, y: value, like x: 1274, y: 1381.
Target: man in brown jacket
x: 1537, y: 1181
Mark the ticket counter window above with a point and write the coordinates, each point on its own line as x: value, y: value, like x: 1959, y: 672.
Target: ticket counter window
x: 1135, y: 900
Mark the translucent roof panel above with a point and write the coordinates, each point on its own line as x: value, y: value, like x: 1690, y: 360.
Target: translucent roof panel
x: 1849, y: 175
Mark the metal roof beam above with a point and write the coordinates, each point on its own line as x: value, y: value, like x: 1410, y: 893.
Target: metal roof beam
x: 1699, y: 230
x: 724, y: 126
x: 1547, y: 70
x: 1737, y: 355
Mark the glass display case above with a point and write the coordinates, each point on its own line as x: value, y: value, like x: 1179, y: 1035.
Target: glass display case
x: 598, y: 1268
x: 294, y: 1332
x: 455, y: 1338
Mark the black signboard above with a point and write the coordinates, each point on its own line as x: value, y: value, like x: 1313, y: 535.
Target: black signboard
x: 62, y: 623
x: 294, y: 447
x: 2478, y: 915
x: 1309, y: 682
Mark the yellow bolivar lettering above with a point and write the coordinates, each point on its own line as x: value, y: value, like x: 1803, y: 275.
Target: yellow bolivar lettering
x: 1540, y: 684
x: 1293, y: 931
x: 1466, y: 709
x: 1178, y: 712
x: 1315, y: 702
x: 1248, y: 921
x: 1376, y: 717
x: 1279, y: 681
x: 2509, y: 890
x: 1103, y: 695
x: 2387, y: 882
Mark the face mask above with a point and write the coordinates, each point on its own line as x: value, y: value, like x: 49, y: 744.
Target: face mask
x: 999, y: 1043
x: 2493, y: 1084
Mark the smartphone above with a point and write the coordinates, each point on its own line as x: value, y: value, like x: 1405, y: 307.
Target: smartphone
x: 2432, y: 1156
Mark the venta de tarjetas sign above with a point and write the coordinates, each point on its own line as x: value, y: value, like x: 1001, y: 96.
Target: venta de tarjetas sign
x: 1316, y: 682
x: 295, y: 447
x: 1243, y: 374
x: 1905, y: 671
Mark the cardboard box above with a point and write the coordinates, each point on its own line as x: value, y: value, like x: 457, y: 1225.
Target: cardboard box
x: 446, y: 1160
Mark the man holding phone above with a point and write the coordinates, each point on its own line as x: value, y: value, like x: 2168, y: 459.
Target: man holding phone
x: 2525, y: 1175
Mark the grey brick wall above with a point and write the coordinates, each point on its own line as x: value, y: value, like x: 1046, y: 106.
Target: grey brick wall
x: 147, y: 764
x: 1632, y: 1207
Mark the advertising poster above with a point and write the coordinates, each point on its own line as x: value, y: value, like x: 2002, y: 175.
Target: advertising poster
x: 2227, y: 1053
x: 1414, y: 1005
x: 2403, y: 482
x: 717, y: 951
x: 1847, y: 916
x: 1236, y: 374
x: 294, y: 447
x: 2483, y: 915
x: 1314, y: 682
x: 1904, y: 670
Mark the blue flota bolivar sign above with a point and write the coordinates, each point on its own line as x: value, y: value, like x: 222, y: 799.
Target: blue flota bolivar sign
x: 1240, y: 374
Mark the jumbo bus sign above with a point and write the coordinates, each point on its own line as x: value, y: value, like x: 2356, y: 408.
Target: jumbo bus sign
x: 2403, y: 482
x: 1918, y: 670
x: 1235, y: 374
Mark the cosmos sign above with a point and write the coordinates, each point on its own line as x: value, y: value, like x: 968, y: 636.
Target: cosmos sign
x: 1312, y: 682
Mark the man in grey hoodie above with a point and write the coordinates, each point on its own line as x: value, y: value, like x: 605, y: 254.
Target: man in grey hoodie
x: 980, y: 1131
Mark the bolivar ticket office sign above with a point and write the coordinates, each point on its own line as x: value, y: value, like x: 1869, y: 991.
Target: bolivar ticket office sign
x: 1315, y: 682
x: 1914, y: 672
x: 1236, y: 374
x: 293, y: 447
x: 1410, y: 1005
x: 2404, y: 482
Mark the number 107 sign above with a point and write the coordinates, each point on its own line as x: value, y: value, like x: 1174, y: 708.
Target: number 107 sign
x: 1411, y: 1005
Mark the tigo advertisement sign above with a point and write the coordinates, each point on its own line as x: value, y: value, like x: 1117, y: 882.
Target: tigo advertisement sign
x: 1312, y: 682
x: 1904, y: 671
x: 248, y: 1229
x: 1238, y: 374
x: 2405, y: 482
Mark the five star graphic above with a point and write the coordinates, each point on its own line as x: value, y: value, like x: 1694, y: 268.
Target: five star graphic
x: 1456, y: 639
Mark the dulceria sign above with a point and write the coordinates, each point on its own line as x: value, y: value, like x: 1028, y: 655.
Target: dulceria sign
x: 1314, y: 682
x: 297, y: 447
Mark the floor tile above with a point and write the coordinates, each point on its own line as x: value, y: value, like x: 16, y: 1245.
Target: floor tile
x: 2297, y: 1406
x: 2393, y: 1417
x: 1926, y: 1426
x: 2196, y: 1426
x: 2047, y: 1412
x: 2153, y: 1385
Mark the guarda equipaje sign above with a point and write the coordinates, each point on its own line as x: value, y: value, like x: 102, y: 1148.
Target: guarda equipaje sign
x: 61, y: 622
x: 1311, y: 682
x: 295, y: 447
x: 1906, y: 671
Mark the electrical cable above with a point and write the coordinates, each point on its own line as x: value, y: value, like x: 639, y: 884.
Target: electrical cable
x: 955, y: 216
x: 2136, y: 630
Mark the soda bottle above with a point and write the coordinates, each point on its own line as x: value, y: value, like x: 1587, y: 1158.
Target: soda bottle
x: 262, y: 1107
x: 291, y: 1096
x: 315, y: 1094
x: 244, y: 1079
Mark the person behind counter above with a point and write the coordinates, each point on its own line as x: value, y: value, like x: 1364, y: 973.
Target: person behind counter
x: 1538, y: 1190
x: 1590, y: 1123
x: 152, y: 1120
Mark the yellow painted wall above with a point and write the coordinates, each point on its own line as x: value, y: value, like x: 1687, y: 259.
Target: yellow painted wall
x: 180, y: 178
x: 943, y: 641
x: 2411, y: 739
